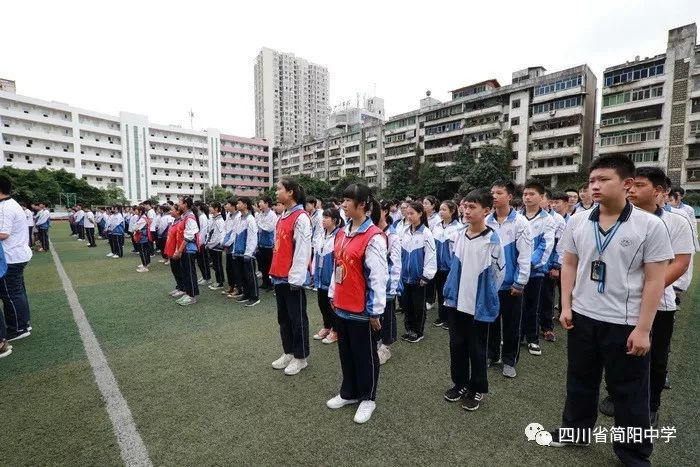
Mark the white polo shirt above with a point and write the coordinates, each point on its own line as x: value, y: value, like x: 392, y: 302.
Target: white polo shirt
x: 641, y: 238
x: 13, y: 221
x: 682, y: 243
x: 30, y: 217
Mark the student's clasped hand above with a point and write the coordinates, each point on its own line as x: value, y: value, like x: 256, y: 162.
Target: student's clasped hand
x: 566, y: 319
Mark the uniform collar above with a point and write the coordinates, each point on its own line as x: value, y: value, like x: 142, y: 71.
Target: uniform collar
x: 287, y: 212
x: 658, y: 211
x: 667, y: 207
x: 624, y: 215
x: 524, y: 213
x: 362, y: 229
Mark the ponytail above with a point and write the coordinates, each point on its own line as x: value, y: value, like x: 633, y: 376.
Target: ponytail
x: 361, y: 193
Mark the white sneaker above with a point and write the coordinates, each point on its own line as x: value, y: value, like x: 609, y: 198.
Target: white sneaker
x: 167, y: 262
x: 364, y: 411
x: 115, y: 256
x: 282, y: 362
x: 384, y: 354
x: 177, y: 294
x: 142, y: 269
x: 201, y: 281
x: 429, y: 306
x: 110, y: 255
x: 338, y: 402
x: 161, y: 260
x: 295, y: 366
x: 173, y: 292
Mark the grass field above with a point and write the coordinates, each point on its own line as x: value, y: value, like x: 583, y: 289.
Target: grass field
x: 200, y: 387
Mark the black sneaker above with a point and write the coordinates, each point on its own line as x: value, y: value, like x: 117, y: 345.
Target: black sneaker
x: 455, y: 394
x: 654, y: 419
x: 252, y: 302
x: 20, y: 334
x: 438, y: 323
x: 405, y: 336
x: 494, y: 362
x: 559, y: 442
x: 606, y: 407
x: 471, y: 400
x: 412, y: 337
x: 242, y: 299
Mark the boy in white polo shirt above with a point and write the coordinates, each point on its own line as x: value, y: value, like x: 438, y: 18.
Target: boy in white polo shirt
x: 612, y: 279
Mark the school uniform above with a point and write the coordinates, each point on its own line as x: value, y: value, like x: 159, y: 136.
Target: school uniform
x: 445, y: 236
x: 116, y: 234
x: 394, y: 286
x: 202, y: 251
x: 288, y: 272
x: 323, y: 264
x: 43, y: 223
x: 542, y: 229
x: 504, y: 332
x: 546, y: 309
x: 681, y: 236
x: 15, y: 256
x: 164, y: 223
x: 190, y: 236
x: 89, y: 226
x: 400, y: 226
x: 604, y: 315
x: 683, y: 282
x: 579, y: 207
x: 317, y: 232
x: 173, y: 239
x: 244, y: 255
x: 80, y: 223
x: 215, y: 247
x: 30, y: 224
x: 152, y: 224
x: 471, y: 291
x: 100, y: 221
x: 418, y: 262
x: 130, y: 221
x: 141, y: 237
x: 433, y: 220
x: 71, y: 223
x: 358, y: 293
x: 229, y: 239
x: 266, y: 241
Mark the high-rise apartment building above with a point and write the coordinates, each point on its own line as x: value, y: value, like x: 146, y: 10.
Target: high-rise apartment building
x: 291, y: 98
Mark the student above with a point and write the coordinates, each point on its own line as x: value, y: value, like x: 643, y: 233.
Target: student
x: 152, y: 224
x: 358, y: 293
x: 30, y: 221
x: 323, y: 265
x: 166, y: 220
x: 79, y: 220
x: 445, y: 234
x: 173, y: 239
x: 89, y: 227
x: 115, y: 229
x: 288, y: 271
x: 141, y: 235
x: 418, y: 267
x: 131, y: 216
x: 586, y: 202
x: 572, y: 193
x: 471, y: 290
x: 267, y: 221
x: 202, y: 251
x: 647, y: 193
x: 316, y: 230
x: 100, y: 222
x: 393, y: 286
x: 549, y: 280
x: 186, y: 252
x: 401, y: 224
x: 560, y: 204
x: 71, y: 222
x: 430, y: 206
x: 15, y: 254
x: 514, y: 231
x: 214, y: 245
x: 232, y: 218
x: 244, y: 252
x: 542, y: 229
x: 43, y: 223
x: 612, y: 279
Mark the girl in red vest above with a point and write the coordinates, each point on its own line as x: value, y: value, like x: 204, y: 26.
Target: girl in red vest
x: 358, y: 293
x: 186, y: 252
x: 171, y: 242
x: 290, y: 261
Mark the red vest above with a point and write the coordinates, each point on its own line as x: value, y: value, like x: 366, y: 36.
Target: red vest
x: 283, y: 253
x: 175, y: 235
x: 349, y: 252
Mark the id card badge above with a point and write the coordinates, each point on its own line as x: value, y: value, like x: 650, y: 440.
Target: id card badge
x: 598, y: 271
x: 339, y: 274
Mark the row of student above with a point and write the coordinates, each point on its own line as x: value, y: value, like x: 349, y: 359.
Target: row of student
x: 38, y: 223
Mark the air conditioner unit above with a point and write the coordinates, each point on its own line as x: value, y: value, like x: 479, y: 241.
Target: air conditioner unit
x: 552, y: 113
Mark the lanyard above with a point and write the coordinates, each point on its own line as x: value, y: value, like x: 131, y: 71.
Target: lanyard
x: 601, y: 245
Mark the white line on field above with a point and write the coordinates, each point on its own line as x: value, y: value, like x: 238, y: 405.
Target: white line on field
x: 133, y: 450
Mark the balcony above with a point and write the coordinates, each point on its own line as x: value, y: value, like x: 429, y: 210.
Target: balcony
x: 633, y: 105
x: 556, y: 152
x: 37, y: 150
x: 399, y: 143
x: 36, y: 134
x: 640, y: 83
x: 483, y: 127
x: 175, y: 142
x: 485, y: 111
x: 100, y: 129
x: 249, y: 152
x: 556, y: 133
x: 629, y: 147
x: 556, y: 170
x: 558, y: 94
x: 481, y: 144
x: 399, y: 156
x: 36, y: 118
x: 441, y: 150
x: 557, y: 113
x: 101, y: 144
x: 103, y: 172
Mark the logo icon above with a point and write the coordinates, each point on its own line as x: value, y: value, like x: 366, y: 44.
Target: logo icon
x: 543, y: 438
x: 625, y: 242
x: 536, y: 432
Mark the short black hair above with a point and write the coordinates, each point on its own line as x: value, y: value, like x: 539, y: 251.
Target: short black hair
x: 583, y: 186
x: 621, y: 164
x: 247, y: 201
x: 668, y: 182
x: 5, y: 185
x: 311, y: 200
x: 571, y: 189
x: 679, y: 190
x: 266, y: 200
x: 656, y: 176
x: 548, y: 192
x: 481, y: 197
x: 508, y: 185
x: 560, y: 196
x: 534, y: 185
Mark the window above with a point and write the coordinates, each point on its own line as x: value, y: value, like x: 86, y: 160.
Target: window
x: 637, y: 72
x: 648, y: 92
x: 650, y: 155
x: 443, y: 128
x: 559, y: 85
x: 515, y: 121
x: 516, y: 137
x: 630, y: 136
x: 515, y: 104
x: 695, y: 127
x: 695, y: 106
x: 558, y: 104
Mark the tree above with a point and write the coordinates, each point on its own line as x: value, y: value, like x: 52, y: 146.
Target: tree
x: 432, y: 180
x: 344, y: 182
x: 401, y: 180
x: 464, y: 161
x: 314, y: 186
x: 216, y: 194
x: 493, y: 165
x: 114, y: 194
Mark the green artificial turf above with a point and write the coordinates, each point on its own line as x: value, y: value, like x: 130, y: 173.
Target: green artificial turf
x: 201, y: 390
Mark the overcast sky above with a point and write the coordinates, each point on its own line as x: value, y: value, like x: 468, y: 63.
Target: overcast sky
x: 160, y: 58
